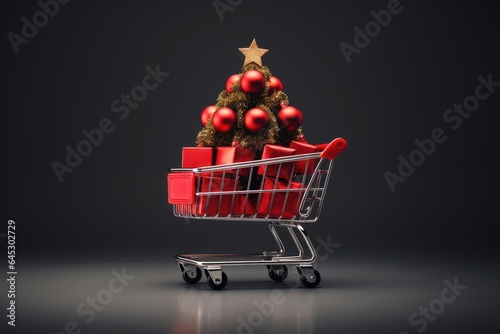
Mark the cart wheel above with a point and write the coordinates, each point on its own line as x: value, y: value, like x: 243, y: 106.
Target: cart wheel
x: 192, y: 277
x: 279, y: 275
x: 307, y: 284
x: 219, y: 286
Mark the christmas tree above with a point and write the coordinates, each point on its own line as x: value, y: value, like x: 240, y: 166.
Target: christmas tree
x: 252, y: 111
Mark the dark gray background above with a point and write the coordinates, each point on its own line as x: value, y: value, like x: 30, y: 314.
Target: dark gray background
x: 112, y: 208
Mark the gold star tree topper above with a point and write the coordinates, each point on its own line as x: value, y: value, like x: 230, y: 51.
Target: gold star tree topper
x: 253, y: 54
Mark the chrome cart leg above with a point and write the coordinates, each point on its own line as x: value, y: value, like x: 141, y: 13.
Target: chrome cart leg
x: 297, y: 242
x: 281, y: 247
x: 216, y: 278
x: 309, y: 277
x: 308, y: 243
x: 278, y: 256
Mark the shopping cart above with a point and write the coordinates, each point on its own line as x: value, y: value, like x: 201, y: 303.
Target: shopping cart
x: 284, y: 192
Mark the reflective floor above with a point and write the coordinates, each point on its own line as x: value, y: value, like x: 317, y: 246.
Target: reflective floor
x: 355, y: 296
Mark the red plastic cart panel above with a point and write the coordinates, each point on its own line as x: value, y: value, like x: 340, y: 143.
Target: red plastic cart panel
x: 181, y: 188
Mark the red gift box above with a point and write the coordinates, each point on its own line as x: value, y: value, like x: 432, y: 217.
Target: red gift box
x: 247, y: 204
x: 321, y: 147
x: 304, y: 166
x: 209, y: 204
x: 229, y: 155
x: 193, y: 157
x: 274, y: 151
x: 273, y: 203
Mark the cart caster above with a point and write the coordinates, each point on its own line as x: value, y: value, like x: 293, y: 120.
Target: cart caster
x: 192, y: 277
x: 218, y: 283
x: 309, y: 277
x: 277, y: 273
x: 190, y: 273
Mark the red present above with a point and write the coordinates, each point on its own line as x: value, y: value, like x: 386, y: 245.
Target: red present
x: 274, y: 151
x: 229, y: 155
x: 279, y: 203
x: 247, y: 204
x: 193, y: 157
x: 209, y: 204
x: 321, y: 147
x: 304, y: 166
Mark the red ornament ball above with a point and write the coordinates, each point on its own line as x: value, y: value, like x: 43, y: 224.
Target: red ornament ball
x: 206, y: 113
x: 224, y: 119
x: 255, y: 119
x: 290, y: 118
x: 252, y: 82
x: 231, y: 81
x: 275, y: 85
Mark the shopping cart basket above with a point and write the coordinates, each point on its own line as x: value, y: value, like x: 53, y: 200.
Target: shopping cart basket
x: 256, y: 191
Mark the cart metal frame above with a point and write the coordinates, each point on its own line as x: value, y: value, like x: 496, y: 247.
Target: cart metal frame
x: 249, y: 186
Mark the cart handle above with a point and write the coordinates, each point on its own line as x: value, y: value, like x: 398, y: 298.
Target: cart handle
x: 335, y: 147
